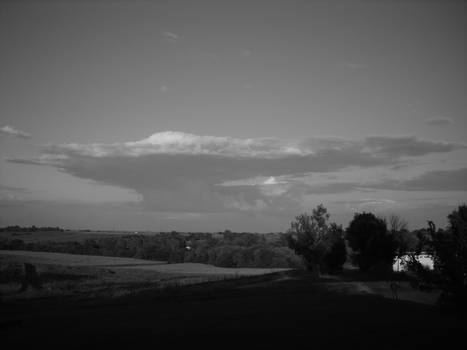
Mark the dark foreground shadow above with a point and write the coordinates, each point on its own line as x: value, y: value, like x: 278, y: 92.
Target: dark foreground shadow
x: 283, y: 312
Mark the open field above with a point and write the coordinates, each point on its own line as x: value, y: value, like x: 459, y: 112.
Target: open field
x: 108, y: 301
x: 90, y: 276
x: 71, y: 274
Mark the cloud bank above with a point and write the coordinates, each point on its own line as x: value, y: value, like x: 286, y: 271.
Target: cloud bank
x: 175, y: 171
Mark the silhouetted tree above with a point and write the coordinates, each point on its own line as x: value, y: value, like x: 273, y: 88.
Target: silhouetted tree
x: 449, y: 250
x: 373, y: 246
x: 337, y: 253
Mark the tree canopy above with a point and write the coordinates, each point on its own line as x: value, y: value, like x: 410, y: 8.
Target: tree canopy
x: 373, y: 246
x: 319, y: 243
x: 449, y: 250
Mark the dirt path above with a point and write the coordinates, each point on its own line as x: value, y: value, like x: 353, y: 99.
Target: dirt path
x: 382, y: 288
x: 337, y: 284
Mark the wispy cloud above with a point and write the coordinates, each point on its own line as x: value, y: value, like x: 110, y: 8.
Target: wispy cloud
x: 438, y: 180
x: 396, y: 146
x: 439, y: 121
x: 430, y: 181
x: 175, y: 171
x: 170, y: 36
x: 11, y: 131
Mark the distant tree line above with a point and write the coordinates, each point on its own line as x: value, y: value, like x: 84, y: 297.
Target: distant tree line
x: 225, y: 250
x: 32, y: 228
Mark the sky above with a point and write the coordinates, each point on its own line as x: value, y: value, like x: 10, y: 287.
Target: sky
x: 240, y: 115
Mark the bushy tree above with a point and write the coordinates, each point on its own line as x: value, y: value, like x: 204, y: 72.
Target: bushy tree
x: 449, y: 250
x: 337, y: 253
x: 313, y: 238
x: 373, y: 246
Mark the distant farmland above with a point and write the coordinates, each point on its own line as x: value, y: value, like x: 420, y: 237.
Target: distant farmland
x: 85, y: 275
x: 130, y: 263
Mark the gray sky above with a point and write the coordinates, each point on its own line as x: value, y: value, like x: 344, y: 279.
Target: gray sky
x: 184, y: 115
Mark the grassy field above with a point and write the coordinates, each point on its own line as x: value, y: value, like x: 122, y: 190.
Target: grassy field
x: 90, y: 276
x: 107, y: 301
x: 87, y: 275
x: 286, y: 312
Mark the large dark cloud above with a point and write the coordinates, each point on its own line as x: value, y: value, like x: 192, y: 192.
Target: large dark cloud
x: 182, y: 172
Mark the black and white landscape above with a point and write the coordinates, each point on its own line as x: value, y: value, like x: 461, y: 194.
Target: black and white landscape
x: 211, y: 171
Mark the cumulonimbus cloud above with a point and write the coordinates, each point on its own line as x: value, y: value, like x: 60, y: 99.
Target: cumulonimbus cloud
x: 11, y: 131
x: 175, y: 171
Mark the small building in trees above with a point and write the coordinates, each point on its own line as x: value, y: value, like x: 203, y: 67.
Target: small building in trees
x: 400, y: 263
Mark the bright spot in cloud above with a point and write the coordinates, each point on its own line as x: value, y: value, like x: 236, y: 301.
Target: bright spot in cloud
x: 273, y: 181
